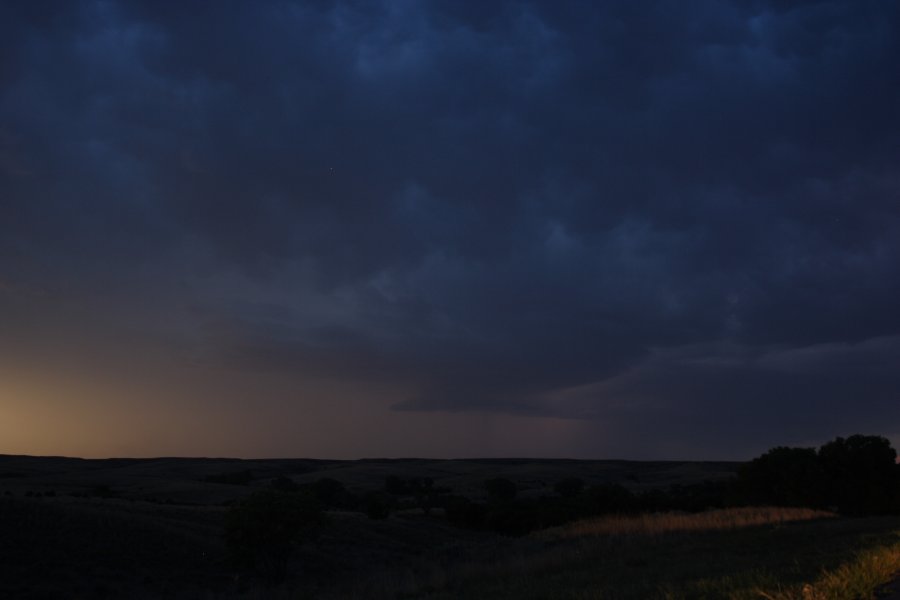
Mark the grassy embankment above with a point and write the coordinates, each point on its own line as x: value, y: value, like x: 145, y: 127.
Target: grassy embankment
x: 116, y: 549
x: 778, y: 554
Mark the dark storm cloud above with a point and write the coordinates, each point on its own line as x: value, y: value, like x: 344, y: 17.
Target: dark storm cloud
x: 498, y: 202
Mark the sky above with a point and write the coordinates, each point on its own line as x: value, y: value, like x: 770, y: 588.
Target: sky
x: 383, y: 228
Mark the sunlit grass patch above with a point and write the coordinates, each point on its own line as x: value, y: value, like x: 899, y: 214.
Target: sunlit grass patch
x: 856, y: 580
x: 750, y: 554
x: 654, y: 524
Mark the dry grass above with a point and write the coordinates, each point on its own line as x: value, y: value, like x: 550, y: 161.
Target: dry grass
x: 661, y: 523
x: 856, y: 580
x: 611, y: 557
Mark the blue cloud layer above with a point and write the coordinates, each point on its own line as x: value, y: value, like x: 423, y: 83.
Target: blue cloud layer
x: 498, y: 202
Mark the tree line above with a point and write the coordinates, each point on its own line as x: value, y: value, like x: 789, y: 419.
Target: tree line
x: 854, y: 476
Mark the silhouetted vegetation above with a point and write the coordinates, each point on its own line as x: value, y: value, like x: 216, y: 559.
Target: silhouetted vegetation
x: 783, y: 477
x: 243, y: 477
x: 331, y: 493
x: 857, y: 475
x: 276, y: 513
x: 284, y: 484
x: 396, y: 486
x: 262, y: 529
x: 417, y: 492
x: 509, y: 515
x: 500, y: 489
x: 569, y: 487
x: 102, y: 490
x: 377, y: 505
x: 464, y: 512
x: 861, y: 475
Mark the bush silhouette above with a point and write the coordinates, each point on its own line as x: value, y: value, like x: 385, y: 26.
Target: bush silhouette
x: 511, y: 519
x: 861, y: 474
x: 284, y: 484
x: 231, y: 478
x: 500, y: 489
x: 610, y: 498
x: 422, y: 489
x: 396, y: 486
x: 425, y: 493
x: 101, y: 490
x: 377, y: 505
x: 569, y: 487
x: 464, y: 512
x: 783, y: 477
x: 262, y: 529
x: 856, y: 475
x: 330, y: 492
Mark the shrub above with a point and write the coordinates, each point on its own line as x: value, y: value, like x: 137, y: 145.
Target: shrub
x: 396, y: 486
x: 262, y: 529
x: 857, y: 475
x: 284, y: 484
x: 377, y: 505
x: 330, y: 492
x: 861, y: 474
x: 101, y: 490
x: 500, y: 489
x: 511, y: 519
x: 783, y: 477
x: 610, y: 498
x: 231, y: 478
x: 569, y: 487
x: 463, y: 512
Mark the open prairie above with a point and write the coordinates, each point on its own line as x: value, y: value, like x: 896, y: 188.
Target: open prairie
x: 210, y: 480
x: 358, y: 229
x: 148, y: 528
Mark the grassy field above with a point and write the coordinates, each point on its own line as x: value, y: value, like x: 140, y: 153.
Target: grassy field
x: 725, y: 554
x: 199, y: 480
x: 111, y: 549
x: 159, y: 533
x: 656, y: 524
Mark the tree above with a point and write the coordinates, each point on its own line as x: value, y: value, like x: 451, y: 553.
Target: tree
x: 396, y: 486
x: 464, y: 512
x: 569, y: 487
x: 856, y: 475
x: 500, y: 489
x: 783, y: 477
x: 425, y: 493
x: 608, y: 498
x: 261, y: 529
x: 284, y: 484
x: 861, y: 474
x: 377, y: 505
x: 330, y: 492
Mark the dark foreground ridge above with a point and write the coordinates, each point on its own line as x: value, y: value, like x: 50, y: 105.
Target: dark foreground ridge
x: 188, y: 527
x: 218, y: 480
